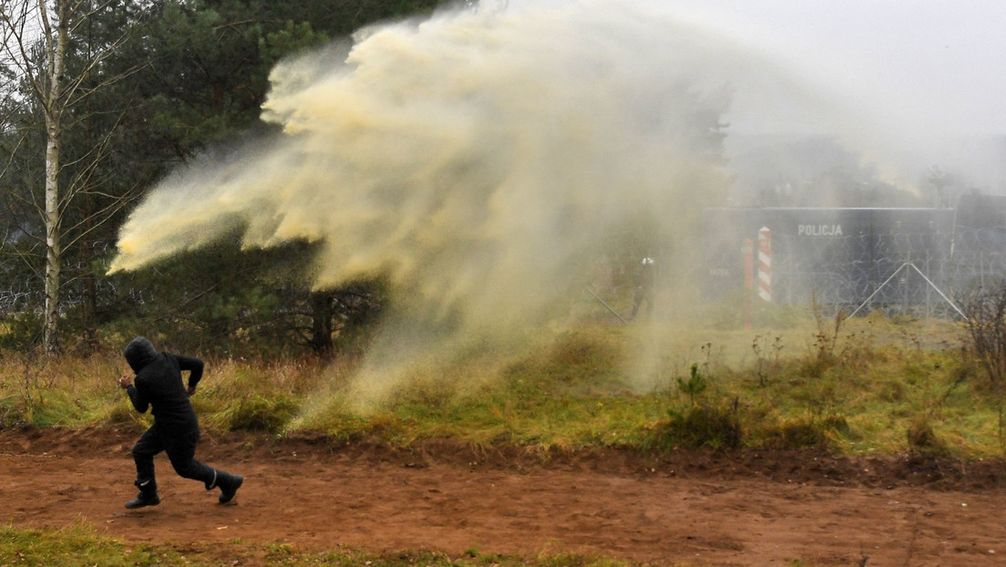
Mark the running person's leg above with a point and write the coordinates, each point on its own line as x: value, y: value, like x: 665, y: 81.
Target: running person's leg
x: 182, y: 451
x: 149, y: 444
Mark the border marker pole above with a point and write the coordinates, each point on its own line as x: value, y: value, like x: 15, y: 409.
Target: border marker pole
x: 765, y: 264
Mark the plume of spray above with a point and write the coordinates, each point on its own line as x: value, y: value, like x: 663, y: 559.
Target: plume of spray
x: 476, y: 160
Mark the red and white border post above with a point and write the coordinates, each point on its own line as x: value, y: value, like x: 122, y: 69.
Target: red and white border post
x: 765, y: 264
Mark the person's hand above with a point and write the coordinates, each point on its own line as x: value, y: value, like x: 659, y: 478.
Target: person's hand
x: 191, y: 390
x: 125, y: 381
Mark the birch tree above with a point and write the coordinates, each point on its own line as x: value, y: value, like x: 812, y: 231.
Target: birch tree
x: 36, y: 41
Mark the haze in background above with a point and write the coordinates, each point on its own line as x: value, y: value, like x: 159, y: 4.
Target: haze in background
x: 920, y: 84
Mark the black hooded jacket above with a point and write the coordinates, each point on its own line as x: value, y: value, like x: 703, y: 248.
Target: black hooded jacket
x: 159, y: 385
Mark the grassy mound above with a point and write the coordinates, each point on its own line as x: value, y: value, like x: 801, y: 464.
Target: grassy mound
x: 855, y: 391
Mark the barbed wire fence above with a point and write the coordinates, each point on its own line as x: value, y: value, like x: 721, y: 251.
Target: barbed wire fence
x: 921, y: 274
x: 21, y: 292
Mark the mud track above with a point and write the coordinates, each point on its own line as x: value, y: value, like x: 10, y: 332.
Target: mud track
x: 700, y: 508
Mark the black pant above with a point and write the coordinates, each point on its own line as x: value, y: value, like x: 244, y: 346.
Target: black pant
x: 180, y: 444
x: 642, y: 294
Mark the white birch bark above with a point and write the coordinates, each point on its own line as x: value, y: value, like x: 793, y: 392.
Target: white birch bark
x: 55, y: 52
x: 49, y: 24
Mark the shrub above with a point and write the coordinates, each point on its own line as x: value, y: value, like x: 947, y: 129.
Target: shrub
x: 11, y: 415
x: 825, y: 341
x: 706, y: 425
x: 985, y: 309
x: 581, y: 355
x: 122, y: 413
x: 922, y: 440
x: 20, y: 332
x: 806, y: 433
x: 258, y: 413
x: 695, y: 385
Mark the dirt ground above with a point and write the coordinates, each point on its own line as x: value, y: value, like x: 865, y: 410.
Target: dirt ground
x: 697, y: 508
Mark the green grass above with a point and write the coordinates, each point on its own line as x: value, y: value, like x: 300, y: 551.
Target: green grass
x: 82, y: 546
x: 857, y: 391
x: 76, y: 545
x: 861, y: 396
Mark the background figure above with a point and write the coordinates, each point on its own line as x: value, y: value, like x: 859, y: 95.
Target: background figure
x: 644, y: 287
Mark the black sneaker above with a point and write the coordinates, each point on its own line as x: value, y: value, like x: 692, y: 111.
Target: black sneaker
x: 144, y: 499
x: 229, y: 485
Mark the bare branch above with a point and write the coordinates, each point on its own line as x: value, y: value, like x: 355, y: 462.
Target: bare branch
x: 25, y: 256
x: 83, y: 177
x: 87, y: 15
x: 106, y: 214
x: 43, y: 16
x: 228, y: 25
x: 13, y: 152
x: 22, y: 61
x: 33, y: 204
x: 15, y: 219
x: 68, y: 93
x: 107, y: 83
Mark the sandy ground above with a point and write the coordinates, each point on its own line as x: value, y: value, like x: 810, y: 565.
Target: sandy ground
x: 697, y: 509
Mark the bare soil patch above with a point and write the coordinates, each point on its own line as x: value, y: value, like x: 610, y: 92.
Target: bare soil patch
x: 747, y: 508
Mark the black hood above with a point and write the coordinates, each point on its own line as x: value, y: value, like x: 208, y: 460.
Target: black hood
x: 139, y: 353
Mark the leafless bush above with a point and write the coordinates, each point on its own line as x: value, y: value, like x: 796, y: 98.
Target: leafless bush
x: 826, y: 334
x: 985, y: 309
x: 766, y: 363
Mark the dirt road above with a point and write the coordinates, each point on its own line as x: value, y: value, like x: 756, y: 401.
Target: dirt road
x: 316, y: 497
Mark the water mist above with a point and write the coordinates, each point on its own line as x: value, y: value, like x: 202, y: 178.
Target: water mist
x: 478, y: 160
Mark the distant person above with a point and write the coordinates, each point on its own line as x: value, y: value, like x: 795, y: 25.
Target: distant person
x: 644, y: 287
x: 175, y: 430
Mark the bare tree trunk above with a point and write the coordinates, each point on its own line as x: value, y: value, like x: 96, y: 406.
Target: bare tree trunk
x: 47, y: 24
x: 55, y: 51
x: 53, y: 255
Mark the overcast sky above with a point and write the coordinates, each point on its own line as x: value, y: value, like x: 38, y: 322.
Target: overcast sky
x: 942, y: 62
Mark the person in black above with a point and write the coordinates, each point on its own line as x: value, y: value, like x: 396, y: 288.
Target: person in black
x: 159, y: 385
x: 644, y: 287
